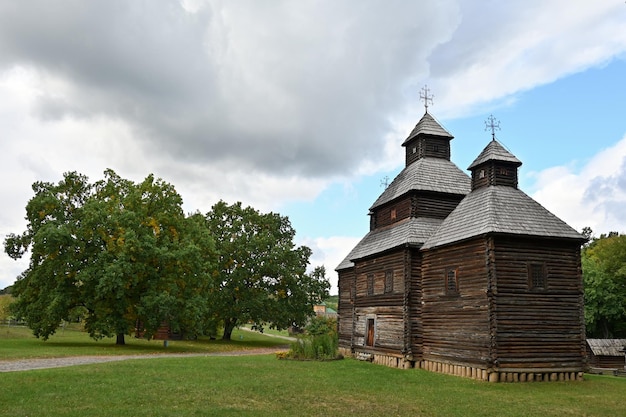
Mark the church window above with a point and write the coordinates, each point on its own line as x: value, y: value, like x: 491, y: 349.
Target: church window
x: 389, y: 281
x: 452, y: 281
x: 537, y: 276
x: 394, y: 214
x: 371, y: 332
x: 370, y: 284
x: 481, y: 174
x: 504, y: 171
x: 414, y: 149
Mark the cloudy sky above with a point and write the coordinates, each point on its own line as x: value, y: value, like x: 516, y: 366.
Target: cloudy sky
x: 300, y: 107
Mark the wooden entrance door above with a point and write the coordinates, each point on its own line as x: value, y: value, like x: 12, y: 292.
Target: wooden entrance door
x: 369, y: 341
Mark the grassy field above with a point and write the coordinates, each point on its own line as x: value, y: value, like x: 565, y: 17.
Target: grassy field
x: 19, y: 343
x: 264, y: 386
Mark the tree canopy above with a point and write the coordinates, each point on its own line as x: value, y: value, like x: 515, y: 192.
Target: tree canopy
x: 122, y: 254
x: 604, y: 274
x: 261, y: 276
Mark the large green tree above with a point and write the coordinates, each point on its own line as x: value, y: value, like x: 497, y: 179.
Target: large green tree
x: 261, y: 276
x: 604, y: 273
x: 123, y: 252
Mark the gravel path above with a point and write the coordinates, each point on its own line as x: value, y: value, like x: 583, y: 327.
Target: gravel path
x: 43, y: 363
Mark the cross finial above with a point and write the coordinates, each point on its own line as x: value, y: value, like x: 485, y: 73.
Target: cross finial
x: 492, y: 124
x: 426, y: 97
x: 385, y: 182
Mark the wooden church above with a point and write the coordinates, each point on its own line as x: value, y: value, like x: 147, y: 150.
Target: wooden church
x: 465, y: 275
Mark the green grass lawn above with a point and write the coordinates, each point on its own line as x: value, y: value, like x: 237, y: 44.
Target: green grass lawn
x: 19, y: 343
x: 264, y: 386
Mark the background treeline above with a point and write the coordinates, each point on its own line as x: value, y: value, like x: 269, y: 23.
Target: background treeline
x: 604, y: 273
x: 116, y: 254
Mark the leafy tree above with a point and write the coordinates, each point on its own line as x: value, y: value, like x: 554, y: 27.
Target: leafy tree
x: 124, y: 252
x: 261, y: 275
x: 5, y: 303
x: 604, y: 274
x: 49, y: 288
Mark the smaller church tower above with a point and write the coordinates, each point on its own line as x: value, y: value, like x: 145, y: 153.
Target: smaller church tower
x: 494, y: 166
x: 428, y: 138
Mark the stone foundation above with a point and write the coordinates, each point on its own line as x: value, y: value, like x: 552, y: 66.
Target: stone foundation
x: 527, y: 375
x: 457, y: 370
x: 498, y: 376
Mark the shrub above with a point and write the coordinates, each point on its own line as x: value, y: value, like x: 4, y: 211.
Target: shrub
x: 319, y: 341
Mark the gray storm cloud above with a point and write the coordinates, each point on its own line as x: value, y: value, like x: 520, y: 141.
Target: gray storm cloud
x: 302, y: 88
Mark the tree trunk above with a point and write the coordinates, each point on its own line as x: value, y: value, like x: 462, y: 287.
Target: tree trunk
x: 120, y: 339
x: 229, y: 326
x: 606, y: 333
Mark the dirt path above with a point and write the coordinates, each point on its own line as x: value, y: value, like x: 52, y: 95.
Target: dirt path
x: 44, y: 363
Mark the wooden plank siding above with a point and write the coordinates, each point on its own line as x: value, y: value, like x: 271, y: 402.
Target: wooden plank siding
x: 429, y: 146
x: 495, y: 174
x: 345, y: 307
x: 388, y: 330
x: 434, y: 205
x: 413, y: 303
x: 384, y: 304
x: 391, y: 213
x: 455, y: 327
x: 518, y: 327
x: 609, y: 362
x: 539, y: 327
x: 417, y: 204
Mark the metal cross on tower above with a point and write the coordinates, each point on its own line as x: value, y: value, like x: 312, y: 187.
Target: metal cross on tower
x: 424, y: 96
x: 492, y: 124
x: 385, y: 182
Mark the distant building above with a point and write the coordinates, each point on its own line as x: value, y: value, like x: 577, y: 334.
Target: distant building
x: 607, y: 353
x: 464, y: 275
x: 324, y: 311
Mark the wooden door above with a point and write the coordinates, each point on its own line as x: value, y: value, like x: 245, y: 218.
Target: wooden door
x: 370, y: 332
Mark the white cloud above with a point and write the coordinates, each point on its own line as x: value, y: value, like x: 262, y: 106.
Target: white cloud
x: 593, y: 195
x: 329, y: 252
x: 265, y: 102
x: 503, y: 48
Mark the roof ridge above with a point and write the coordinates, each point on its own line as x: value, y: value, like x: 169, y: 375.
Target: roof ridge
x: 428, y: 125
x: 499, y: 209
x: 495, y: 151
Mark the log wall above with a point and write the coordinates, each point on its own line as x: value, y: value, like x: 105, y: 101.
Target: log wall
x: 538, y: 327
x: 494, y: 173
x: 427, y: 146
x: 392, y: 213
x: 345, y: 307
x: 382, y: 303
x: 603, y: 361
x: 455, y: 326
x: 434, y: 205
x: 413, y: 303
x: 418, y: 204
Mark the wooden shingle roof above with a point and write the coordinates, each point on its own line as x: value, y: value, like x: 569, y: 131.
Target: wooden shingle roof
x: 494, y: 151
x: 411, y: 231
x: 607, y: 347
x: 427, y: 125
x: 427, y: 174
x: 499, y: 209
